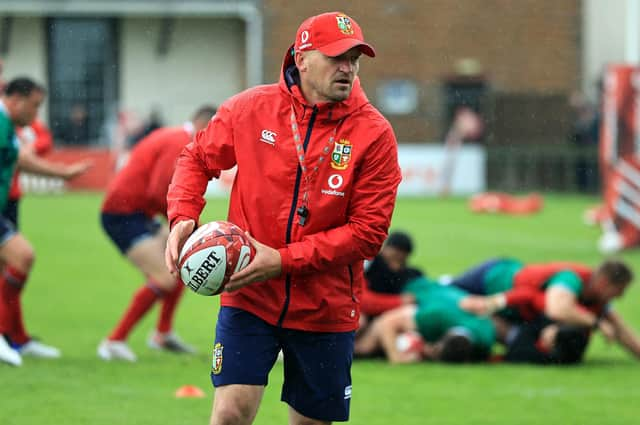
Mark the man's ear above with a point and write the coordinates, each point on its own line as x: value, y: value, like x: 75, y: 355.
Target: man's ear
x: 300, y: 60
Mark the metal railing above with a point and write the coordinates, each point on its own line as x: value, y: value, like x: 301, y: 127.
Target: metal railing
x: 563, y: 168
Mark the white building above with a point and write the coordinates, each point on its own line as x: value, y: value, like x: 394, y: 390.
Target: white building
x: 132, y: 55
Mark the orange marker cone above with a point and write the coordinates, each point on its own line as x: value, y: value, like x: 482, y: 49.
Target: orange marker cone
x: 189, y: 391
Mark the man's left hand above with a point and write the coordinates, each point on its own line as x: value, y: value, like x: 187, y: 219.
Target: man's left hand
x: 475, y: 304
x: 608, y: 330
x: 76, y: 169
x: 265, y: 265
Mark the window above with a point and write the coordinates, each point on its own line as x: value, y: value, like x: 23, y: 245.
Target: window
x: 83, y: 68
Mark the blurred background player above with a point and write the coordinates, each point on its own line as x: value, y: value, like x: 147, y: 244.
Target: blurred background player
x: 565, y: 293
x: 389, y: 272
x: 467, y: 125
x: 543, y: 341
x: 451, y: 334
x: 446, y: 332
x: 75, y: 130
x: 18, y: 108
x: 134, y: 198
x: 36, y: 139
x: 386, y: 276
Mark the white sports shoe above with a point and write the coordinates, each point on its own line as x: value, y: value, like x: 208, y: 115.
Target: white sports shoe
x: 169, y: 342
x: 8, y: 354
x: 116, y: 350
x: 35, y: 348
x: 610, y: 242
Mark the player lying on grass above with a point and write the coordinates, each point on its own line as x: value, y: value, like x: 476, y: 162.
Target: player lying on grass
x: 386, y: 276
x: 566, y: 293
x: 543, y: 341
x: 450, y: 333
x: 388, y: 272
x: 134, y: 199
x: 18, y: 108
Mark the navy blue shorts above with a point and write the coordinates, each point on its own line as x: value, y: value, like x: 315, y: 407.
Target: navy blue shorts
x: 7, y: 230
x: 317, y: 365
x: 11, y: 211
x: 473, y: 281
x: 125, y: 230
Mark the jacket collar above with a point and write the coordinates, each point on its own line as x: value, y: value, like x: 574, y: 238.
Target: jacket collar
x: 290, y: 84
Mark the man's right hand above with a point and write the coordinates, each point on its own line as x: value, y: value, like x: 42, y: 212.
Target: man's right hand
x: 475, y: 304
x: 177, y: 237
x: 608, y: 330
x: 483, y: 305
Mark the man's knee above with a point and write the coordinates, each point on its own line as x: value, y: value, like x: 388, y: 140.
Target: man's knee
x: 18, y: 253
x: 166, y: 282
x: 235, y: 404
x: 307, y: 421
x: 296, y: 418
x: 232, y: 413
x: 26, y: 259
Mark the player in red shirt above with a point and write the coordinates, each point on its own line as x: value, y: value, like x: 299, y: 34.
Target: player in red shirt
x: 566, y: 293
x: 135, y: 197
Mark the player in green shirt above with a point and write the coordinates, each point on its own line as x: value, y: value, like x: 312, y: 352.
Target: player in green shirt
x: 18, y: 107
x: 450, y: 333
x: 575, y: 297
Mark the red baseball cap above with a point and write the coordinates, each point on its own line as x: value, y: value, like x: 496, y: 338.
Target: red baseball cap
x: 332, y: 34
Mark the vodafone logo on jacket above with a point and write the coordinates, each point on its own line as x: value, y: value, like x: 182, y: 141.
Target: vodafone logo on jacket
x: 334, y: 181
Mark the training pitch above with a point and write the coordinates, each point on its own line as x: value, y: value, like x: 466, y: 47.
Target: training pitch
x: 80, y: 286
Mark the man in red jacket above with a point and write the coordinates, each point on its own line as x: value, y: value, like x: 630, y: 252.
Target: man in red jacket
x: 134, y: 198
x: 316, y: 185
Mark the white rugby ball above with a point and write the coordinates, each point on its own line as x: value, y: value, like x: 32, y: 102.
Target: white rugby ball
x: 213, y: 253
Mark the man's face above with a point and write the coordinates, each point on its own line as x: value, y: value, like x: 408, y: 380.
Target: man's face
x: 23, y: 109
x: 330, y: 79
x: 606, y: 291
x: 199, y: 124
x: 395, y: 258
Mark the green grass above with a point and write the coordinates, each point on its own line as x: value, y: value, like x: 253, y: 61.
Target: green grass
x: 80, y: 286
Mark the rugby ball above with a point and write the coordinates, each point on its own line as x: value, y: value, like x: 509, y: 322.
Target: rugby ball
x: 410, y: 342
x: 213, y: 253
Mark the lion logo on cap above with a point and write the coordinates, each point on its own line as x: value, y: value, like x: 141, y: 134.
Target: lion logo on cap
x: 344, y: 24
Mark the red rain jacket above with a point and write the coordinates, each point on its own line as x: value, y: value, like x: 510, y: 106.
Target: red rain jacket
x: 351, y: 199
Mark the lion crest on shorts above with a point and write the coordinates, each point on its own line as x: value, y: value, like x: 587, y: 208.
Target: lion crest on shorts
x: 216, y: 367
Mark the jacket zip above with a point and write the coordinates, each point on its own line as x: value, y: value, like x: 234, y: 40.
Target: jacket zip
x: 292, y: 213
x: 353, y: 295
